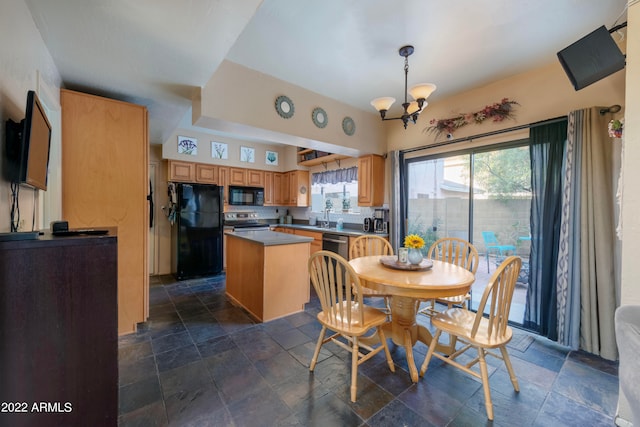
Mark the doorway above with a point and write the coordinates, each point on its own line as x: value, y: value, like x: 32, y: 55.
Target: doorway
x: 472, y: 195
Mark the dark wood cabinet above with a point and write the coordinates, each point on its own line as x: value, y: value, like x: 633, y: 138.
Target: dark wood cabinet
x: 59, y: 330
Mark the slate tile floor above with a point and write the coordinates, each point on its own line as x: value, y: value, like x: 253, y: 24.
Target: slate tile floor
x: 201, y: 361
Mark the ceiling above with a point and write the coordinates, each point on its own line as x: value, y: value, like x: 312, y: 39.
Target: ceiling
x: 158, y: 52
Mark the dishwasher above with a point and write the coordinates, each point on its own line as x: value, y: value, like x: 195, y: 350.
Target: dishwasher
x: 336, y: 243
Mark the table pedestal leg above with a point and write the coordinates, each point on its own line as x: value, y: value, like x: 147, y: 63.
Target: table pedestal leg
x: 404, y: 331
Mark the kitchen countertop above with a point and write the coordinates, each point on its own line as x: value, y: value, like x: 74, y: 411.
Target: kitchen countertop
x: 270, y: 238
x: 345, y: 231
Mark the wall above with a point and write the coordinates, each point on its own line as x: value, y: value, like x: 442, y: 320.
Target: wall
x: 241, y: 101
x: 630, y: 195
x: 286, y: 154
x: 543, y: 93
x: 161, y: 248
x: 26, y: 64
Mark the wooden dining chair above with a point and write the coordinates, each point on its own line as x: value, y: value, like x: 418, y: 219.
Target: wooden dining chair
x: 474, y: 330
x: 344, y: 312
x: 454, y: 251
x: 371, y: 245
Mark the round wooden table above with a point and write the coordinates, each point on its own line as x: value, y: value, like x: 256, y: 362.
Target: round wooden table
x: 407, y: 289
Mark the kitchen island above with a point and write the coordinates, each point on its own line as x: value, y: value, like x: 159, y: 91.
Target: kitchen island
x: 267, y: 272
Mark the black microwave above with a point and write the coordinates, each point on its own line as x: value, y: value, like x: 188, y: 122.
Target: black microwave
x: 247, y: 196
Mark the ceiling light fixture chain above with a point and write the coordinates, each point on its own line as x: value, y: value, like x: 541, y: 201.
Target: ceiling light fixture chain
x: 419, y: 92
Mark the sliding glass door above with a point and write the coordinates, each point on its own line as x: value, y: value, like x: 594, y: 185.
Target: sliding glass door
x: 483, y: 196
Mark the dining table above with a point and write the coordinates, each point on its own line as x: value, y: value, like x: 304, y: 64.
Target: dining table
x: 407, y: 288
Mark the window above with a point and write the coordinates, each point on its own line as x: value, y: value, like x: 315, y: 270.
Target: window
x: 336, y: 190
x: 474, y: 196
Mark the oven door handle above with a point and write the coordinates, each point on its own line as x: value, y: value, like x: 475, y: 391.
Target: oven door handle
x: 343, y: 242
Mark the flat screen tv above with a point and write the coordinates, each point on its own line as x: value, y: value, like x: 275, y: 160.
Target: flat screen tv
x: 28, y: 145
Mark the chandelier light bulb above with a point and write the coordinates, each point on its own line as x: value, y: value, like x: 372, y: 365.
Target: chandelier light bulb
x: 414, y: 107
x: 422, y: 90
x: 384, y: 103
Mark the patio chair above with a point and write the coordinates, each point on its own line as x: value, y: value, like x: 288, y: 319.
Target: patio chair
x: 481, y: 333
x: 491, y: 244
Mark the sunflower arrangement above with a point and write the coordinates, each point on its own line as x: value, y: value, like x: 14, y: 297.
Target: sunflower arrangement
x: 413, y: 241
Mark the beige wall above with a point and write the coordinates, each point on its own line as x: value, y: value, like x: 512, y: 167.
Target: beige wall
x: 241, y: 101
x: 25, y: 65
x: 286, y: 154
x: 160, y: 250
x: 631, y: 196
x: 542, y: 93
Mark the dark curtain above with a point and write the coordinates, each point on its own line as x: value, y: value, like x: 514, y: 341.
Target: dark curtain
x: 547, y: 157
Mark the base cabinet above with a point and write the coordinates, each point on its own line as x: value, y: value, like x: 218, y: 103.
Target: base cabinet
x: 59, y: 330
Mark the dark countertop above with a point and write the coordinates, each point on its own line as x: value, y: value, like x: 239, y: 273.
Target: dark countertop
x: 270, y: 238
x: 347, y: 231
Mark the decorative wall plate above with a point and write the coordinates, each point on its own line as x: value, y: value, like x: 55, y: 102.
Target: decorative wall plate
x: 319, y: 117
x: 348, y: 126
x: 284, y: 107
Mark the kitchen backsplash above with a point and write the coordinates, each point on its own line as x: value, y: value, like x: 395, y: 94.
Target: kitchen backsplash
x: 271, y: 212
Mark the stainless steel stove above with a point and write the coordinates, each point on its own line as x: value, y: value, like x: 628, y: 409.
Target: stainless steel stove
x: 244, y: 221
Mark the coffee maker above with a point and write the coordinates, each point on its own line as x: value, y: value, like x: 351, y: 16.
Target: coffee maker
x: 380, y: 221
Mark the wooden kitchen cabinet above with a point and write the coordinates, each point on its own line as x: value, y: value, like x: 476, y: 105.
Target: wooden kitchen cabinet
x: 105, y: 183
x: 237, y: 176
x: 206, y: 174
x: 316, y: 245
x: 278, y: 194
x: 371, y: 180
x: 284, y: 230
x: 298, y: 188
x: 268, y: 188
x: 180, y: 171
x: 255, y: 178
x: 223, y: 181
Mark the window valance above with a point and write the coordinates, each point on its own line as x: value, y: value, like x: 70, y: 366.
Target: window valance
x: 335, y: 176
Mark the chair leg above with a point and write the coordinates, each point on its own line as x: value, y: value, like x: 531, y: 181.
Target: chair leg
x: 432, y: 347
x: 312, y: 365
x: 485, y: 384
x: 383, y: 341
x: 507, y: 362
x: 354, y: 368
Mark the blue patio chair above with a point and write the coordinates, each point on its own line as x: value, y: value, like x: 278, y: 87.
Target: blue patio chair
x: 491, y: 244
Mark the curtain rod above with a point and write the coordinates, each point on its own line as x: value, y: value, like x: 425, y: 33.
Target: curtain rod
x: 484, y: 135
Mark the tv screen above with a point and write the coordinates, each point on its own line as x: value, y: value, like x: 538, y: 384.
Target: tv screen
x: 28, y: 145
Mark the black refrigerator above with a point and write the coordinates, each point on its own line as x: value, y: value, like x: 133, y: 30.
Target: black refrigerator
x: 197, y: 234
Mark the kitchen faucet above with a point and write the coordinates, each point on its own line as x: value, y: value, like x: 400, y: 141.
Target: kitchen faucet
x: 325, y: 221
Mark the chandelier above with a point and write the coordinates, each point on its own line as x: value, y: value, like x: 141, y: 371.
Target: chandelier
x: 419, y: 92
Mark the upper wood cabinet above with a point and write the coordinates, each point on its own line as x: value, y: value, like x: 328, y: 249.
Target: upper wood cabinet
x: 280, y: 188
x: 255, y: 178
x: 278, y: 194
x: 268, y: 189
x: 206, y: 174
x: 237, y: 176
x: 182, y: 171
x: 298, y: 188
x: 223, y: 181
x: 371, y: 180
x: 105, y: 183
